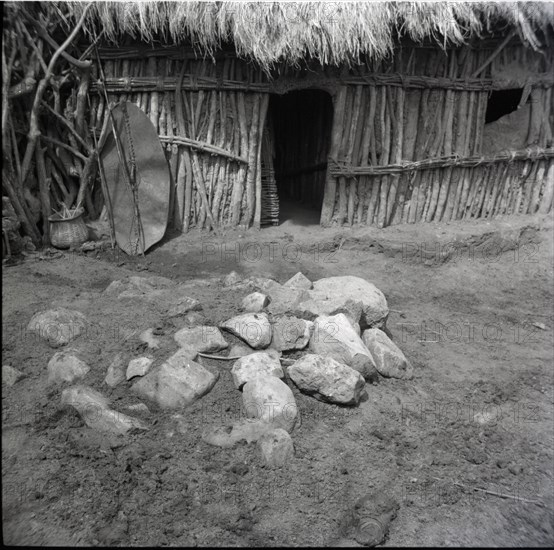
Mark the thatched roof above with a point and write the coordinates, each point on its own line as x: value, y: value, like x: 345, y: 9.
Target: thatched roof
x: 331, y: 32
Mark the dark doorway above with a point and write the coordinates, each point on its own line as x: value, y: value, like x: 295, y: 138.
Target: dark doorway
x: 501, y: 103
x: 301, y: 124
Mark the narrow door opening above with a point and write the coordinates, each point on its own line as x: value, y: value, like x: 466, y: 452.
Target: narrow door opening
x: 300, y: 126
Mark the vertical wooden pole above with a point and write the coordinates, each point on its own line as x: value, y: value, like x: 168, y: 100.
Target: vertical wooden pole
x: 44, y: 192
x: 548, y: 192
x: 336, y: 133
x: 385, y: 121
x: 252, y: 162
x: 263, y: 111
x: 392, y: 206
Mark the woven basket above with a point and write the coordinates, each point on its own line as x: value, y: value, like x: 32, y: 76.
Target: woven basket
x: 68, y: 232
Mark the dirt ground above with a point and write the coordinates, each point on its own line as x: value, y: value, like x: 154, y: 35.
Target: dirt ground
x: 471, y: 307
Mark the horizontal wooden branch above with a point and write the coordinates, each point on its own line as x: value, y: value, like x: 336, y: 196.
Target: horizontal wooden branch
x: 203, y: 147
x: 144, y: 52
x: 544, y: 80
x: 338, y: 169
x: 196, y: 83
x: 169, y: 84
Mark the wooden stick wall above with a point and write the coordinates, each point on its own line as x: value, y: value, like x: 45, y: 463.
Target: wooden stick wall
x: 212, y: 138
x: 386, y: 125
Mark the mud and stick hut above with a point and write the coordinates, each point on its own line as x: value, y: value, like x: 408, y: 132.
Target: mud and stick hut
x: 374, y: 113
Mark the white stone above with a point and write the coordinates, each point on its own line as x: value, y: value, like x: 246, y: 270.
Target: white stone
x: 204, y: 339
x: 84, y: 397
x: 299, y: 281
x: 327, y: 379
x: 116, y: 370
x: 374, y: 304
x: 176, y: 383
x: 184, y: 305
x: 269, y: 399
x: 94, y: 409
x: 248, y: 430
x: 138, y: 367
x: 10, y: 376
x: 147, y: 336
x: 253, y: 328
x: 320, y: 304
x: 388, y: 357
x: 291, y: 333
x: 256, y: 364
x: 333, y: 336
x: 285, y: 299
x: 276, y: 448
x: 115, y: 422
x: 58, y: 326
x: 255, y: 302
x: 66, y: 367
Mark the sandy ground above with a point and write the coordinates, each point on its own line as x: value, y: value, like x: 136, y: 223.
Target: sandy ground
x: 471, y: 307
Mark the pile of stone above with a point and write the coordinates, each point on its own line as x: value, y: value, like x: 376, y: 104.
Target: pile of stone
x: 335, y: 327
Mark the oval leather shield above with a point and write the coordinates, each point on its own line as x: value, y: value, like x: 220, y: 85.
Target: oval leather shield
x: 148, y: 206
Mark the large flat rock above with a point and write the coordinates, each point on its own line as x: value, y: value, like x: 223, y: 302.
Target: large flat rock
x: 94, y: 409
x: 138, y: 367
x: 291, y: 333
x: 58, y: 326
x: 388, y: 357
x: 256, y: 364
x: 333, y: 336
x: 330, y: 292
x: 327, y: 379
x: 66, y: 367
x: 178, y: 382
x: 253, y: 328
x: 203, y: 339
x: 269, y: 399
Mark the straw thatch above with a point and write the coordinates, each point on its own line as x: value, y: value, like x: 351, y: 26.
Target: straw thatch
x: 330, y: 32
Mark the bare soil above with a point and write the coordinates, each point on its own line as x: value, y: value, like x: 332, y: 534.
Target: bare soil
x: 477, y: 326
